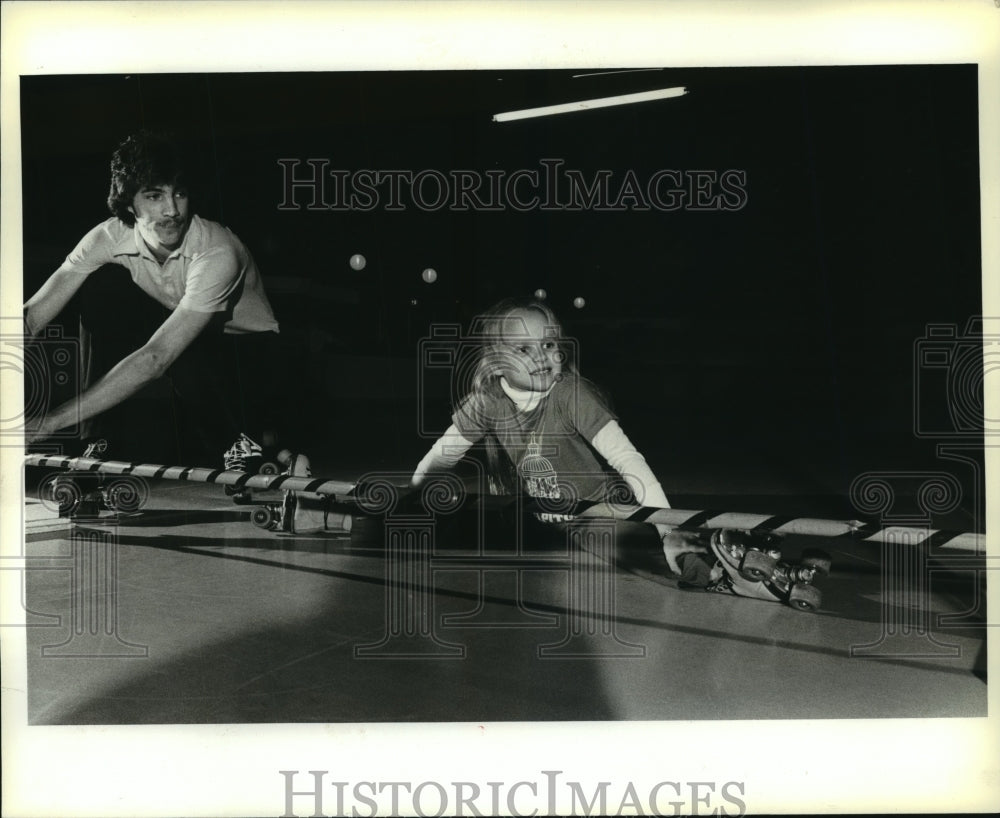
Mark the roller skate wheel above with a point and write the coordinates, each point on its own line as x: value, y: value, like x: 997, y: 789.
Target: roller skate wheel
x: 804, y: 597
x: 262, y: 517
x: 125, y: 495
x: 756, y: 565
x: 818, y: 560
x: 64, y: 494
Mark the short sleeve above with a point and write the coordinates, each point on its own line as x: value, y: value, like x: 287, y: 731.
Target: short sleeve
x: 585, y: 407
x: 214, y: 281
x: 92, y: 252
x: 470, y: 418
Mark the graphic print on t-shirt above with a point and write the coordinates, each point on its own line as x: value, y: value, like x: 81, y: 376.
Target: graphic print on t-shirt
x: 536, y: 470
x: 540, y: 479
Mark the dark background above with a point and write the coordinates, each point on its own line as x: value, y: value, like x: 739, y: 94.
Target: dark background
x: 765, y: 351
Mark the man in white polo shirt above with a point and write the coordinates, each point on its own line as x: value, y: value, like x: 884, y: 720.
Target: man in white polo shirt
x: 208, y: 288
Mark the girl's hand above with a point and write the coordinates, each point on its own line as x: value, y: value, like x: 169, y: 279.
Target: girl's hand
x: 676, y: 543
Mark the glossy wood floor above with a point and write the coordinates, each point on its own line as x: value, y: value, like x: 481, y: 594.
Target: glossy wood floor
x: 188, y: 613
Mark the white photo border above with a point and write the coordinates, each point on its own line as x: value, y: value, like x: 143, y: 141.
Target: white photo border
x: 909, y: 765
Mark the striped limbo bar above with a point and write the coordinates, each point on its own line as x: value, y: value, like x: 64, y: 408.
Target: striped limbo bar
x: 195, y: 474
x: 341, y: 490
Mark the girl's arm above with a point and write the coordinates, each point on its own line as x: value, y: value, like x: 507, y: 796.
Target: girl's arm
x: 615, y: 447
x: 443, y: 455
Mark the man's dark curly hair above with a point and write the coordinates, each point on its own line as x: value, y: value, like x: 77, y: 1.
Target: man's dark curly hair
x: 143, y: 159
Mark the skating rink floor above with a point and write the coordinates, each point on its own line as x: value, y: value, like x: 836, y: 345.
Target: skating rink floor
x: 187, y: 613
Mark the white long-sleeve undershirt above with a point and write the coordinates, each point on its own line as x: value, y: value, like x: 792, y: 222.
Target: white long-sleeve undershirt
x: 444, y: 455
x: 615, y: 447
x: 610, y: 442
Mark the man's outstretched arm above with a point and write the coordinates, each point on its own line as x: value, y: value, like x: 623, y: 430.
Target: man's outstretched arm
x: 129, y: 375
x: 45, y: 305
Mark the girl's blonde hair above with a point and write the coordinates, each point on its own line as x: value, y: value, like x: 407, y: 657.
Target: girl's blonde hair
x: 491, y: 328
x: 480, y: 391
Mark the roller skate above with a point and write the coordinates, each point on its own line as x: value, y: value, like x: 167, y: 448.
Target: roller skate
x: 749, y: 564
x: 278, y: 516
x: 86, y: 494
x: 246, y: 455
x: 300, y: 512
x: 269, y: 516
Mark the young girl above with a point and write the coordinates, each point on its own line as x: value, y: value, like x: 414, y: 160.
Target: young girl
x: 543, y: 425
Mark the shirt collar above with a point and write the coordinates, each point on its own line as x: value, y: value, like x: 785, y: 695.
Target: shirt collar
x: 131, y: 243
x: 524, y: 399
x: 128, y: 243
